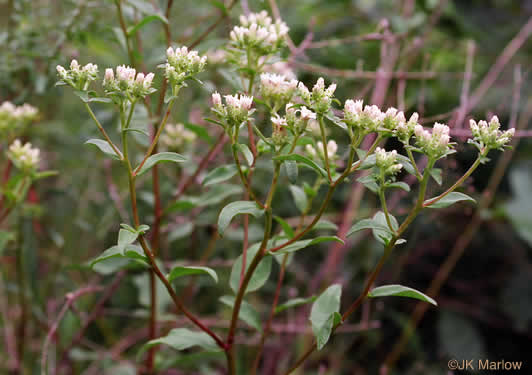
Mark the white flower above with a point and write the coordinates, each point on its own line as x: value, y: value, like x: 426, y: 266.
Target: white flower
x: 276, y: 89
x: 278, y: 121
x: 216, y: 99
x: 435, y: 144
x: 387, y: 161
x: 307, y: 114
x: 182, y: 63
x: 257, y: 31
x: 311, y: 150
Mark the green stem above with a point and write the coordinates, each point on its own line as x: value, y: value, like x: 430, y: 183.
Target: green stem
x: 413, y: 161
x: 385, y: 209
x: 249, y: 273
x: 457, y: 183
x: 156, y: 137
x: 325, y: 153
x: 102, y: 130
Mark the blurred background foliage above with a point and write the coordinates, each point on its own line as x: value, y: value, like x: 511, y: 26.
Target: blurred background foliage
x: 485, y: 306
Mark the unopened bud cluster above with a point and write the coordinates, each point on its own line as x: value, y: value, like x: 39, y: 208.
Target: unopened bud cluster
x: 320, y: 98
x: 127, y: 82
x: 435, y: 144
x: 176, y: 136
x: 237, y: 108
x: 78, y: 76
x: 489, y: 136
x: 182, y: 64
x: 386, y: 161
x: 259, y: 33
x: 13, y: 118
x: 24, y: 156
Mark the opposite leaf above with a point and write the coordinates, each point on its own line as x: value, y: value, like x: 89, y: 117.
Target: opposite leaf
x: 220, y: 174
x: 236, y: 208
x: 183, y: 338
x: 400, y: 291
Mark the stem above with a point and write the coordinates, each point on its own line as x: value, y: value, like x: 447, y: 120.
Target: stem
x: 459, y: 182
x: 124, y: 31
x: 413, y: 161
x: 156, y: 137
x: 252, y: 267
x: 102, y: 130
x: 242, y: 177
x: 325, y: 153
x: 385, y: 209
x: 387, y: 251
x: 149, y: 253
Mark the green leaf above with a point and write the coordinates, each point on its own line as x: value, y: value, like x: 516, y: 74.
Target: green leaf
x: 181, y: 339
x: 294, y: 303
x: 400, y: 185
x: 160, y: 158
x: 237, y: 208
x: 118, y: 251
x: 180, y: 271
x: 287, y: 229
x: 322, y: 314
x: 44, y: 174
x: 450, y: 199
x: 126, y: 237
x: 260, y: 276
x: 325, y: 225
x: 300, y: 198
x: 298, y: 245
x: 369, y: 182
x: 199, y: 130
x: 291, y: 170
x: 305, y: 161
x: 146, y: 20
x: 247, y: 313
x: 436, y: 174
x: 248, y: 155
x: 220, y: 174
x: 384, y: 236
x: 407, y: 165
x: 104, y: 147
x: 368, y: 224
x: 400, y: 291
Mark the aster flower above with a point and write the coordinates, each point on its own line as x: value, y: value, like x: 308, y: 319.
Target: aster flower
x: 276, y: 89
x: 182, y: 64
x: 320, y: 98
x: 237, y: 108
x: 126, y: 82
x: 386, y: 161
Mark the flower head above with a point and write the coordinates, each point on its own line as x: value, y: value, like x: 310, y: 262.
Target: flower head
x: 320, y: 98
x: 299, y: 119
x: 182, y: 64
x: 127, y: 82
x: 24, y: 156
x: 386, y: 161
x: 276, y: 89
x: 236, y: 109
x: 489, y: 136
x: 176, y: 136
x: 435, y: 144
x: 331, y: 149
x: 258, y: 32
x: 14, y: 118
x: 79, y: 77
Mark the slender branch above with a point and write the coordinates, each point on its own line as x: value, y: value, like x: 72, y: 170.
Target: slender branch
x: 124, y: 31
x: 325, y: 152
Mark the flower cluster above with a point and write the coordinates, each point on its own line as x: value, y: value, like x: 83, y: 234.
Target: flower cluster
x: 176, y: 136
x: 488, y: 136
x: 436, y: 144
x: 404, y: 131
x: 276, y: 90
x: 127, y: 82
x: 182, y: 64
x: 79, y: 77
x: 14, y: 117
x: 299, y: 119
x: 24, y: 156
x: 386, y: 161
x: 320, y: 98
x: 237, y: 108
x: 332, y: 148
x: 258, y: 32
